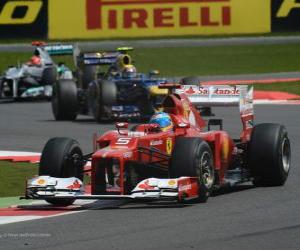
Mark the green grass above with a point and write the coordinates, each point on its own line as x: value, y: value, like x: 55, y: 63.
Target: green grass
x: 217, y: 60
x: 13, y: 177
x: 290, y: 87
x: 220, y: 60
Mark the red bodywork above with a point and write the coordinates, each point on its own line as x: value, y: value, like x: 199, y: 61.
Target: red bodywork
x: 123, y: 146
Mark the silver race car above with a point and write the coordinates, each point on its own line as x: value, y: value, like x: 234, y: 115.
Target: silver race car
x: 34, y: 79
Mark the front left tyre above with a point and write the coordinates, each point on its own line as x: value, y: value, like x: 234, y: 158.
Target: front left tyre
x: 61, y: 158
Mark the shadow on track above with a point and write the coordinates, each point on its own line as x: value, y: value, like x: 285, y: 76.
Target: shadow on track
x: 234, y: 189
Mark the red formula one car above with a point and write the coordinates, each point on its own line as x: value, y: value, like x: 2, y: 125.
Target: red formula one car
x: 186, y: 163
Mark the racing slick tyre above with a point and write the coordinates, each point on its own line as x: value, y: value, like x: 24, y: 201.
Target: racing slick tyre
x: 2, y: 81
x: 89, y: 74
x: 49, y: 76
x: 193, y: 157
x: 64, y: 100
x: 269, y: 154
x: 61, y: 158
x: 102, y: 96
x: 190, y: 80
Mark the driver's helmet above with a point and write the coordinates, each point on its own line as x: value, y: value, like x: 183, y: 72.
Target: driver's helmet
x: 35, y: 60
x: 163, y: 120
x: 129, y: 71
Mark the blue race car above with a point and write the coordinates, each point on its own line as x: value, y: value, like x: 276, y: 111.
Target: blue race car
x: 117, y: 93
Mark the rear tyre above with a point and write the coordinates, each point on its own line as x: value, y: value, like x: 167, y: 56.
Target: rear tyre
x: 89, y: 74
x: 2, y: 81
x: 269, y: 154
x: 193, y: 157
x: 64, y: 100
x: 49, y: 76
x: 102, y: 96
x: 61, y: 158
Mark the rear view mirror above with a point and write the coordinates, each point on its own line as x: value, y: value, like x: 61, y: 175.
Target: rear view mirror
x: 154, y: 73
x: 183, y: 125
x: 152, y: 127
x: 122, y: 125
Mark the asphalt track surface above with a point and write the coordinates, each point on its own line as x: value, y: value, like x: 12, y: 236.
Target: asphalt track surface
x: 243, y: 218
x: 161, y: 43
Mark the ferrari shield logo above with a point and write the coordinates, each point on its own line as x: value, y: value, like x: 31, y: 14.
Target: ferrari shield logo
x: 225, y: 149
x: 169, y: 146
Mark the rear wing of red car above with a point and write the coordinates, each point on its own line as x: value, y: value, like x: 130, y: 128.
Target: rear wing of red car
x: 224, y: 95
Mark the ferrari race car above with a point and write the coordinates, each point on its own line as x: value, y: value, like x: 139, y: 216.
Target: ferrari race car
x: 112, y: 95
x: 187, y: 162
x: 35, y: 78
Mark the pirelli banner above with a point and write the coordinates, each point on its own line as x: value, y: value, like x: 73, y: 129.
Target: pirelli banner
x: 285, y: 15
x: 23, y: 19
x: 70, y: 19
x: 84, y: 19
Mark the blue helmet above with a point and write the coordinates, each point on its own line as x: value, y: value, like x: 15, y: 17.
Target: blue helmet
x: 163, y: 120
x: 129, y: 71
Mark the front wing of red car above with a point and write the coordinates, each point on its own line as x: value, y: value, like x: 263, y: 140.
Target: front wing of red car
x: 152, y: 189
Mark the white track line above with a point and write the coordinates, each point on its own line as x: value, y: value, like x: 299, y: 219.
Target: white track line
x: 18, y: 153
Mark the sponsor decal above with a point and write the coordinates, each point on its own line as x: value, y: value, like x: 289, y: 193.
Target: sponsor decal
x: 145, y: 186
x: 227, y: 91
x: 286, y: 7
x: 186, y: 109
x: 76, y: 185
x: 156, y: 143
x: 172, y: 182
x: 285, y: 15
x: 169, y: 146
x: 127, y: 154
x: 249, y: 124
x: 134, y: 18
x: 41, y: 181
x: 20, y: 12
x: 225, y: 148
x: 184, y: 187
x: 23, y: 18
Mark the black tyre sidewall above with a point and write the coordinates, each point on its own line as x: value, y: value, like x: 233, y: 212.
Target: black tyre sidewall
x: 55, y: 163
x: 2, y: 80
x: 49, y: 76
x: 89, y: 74
x: 185, y: 160
x: 64, y: 100
x: 102, y: 96
x: 265, y: 154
